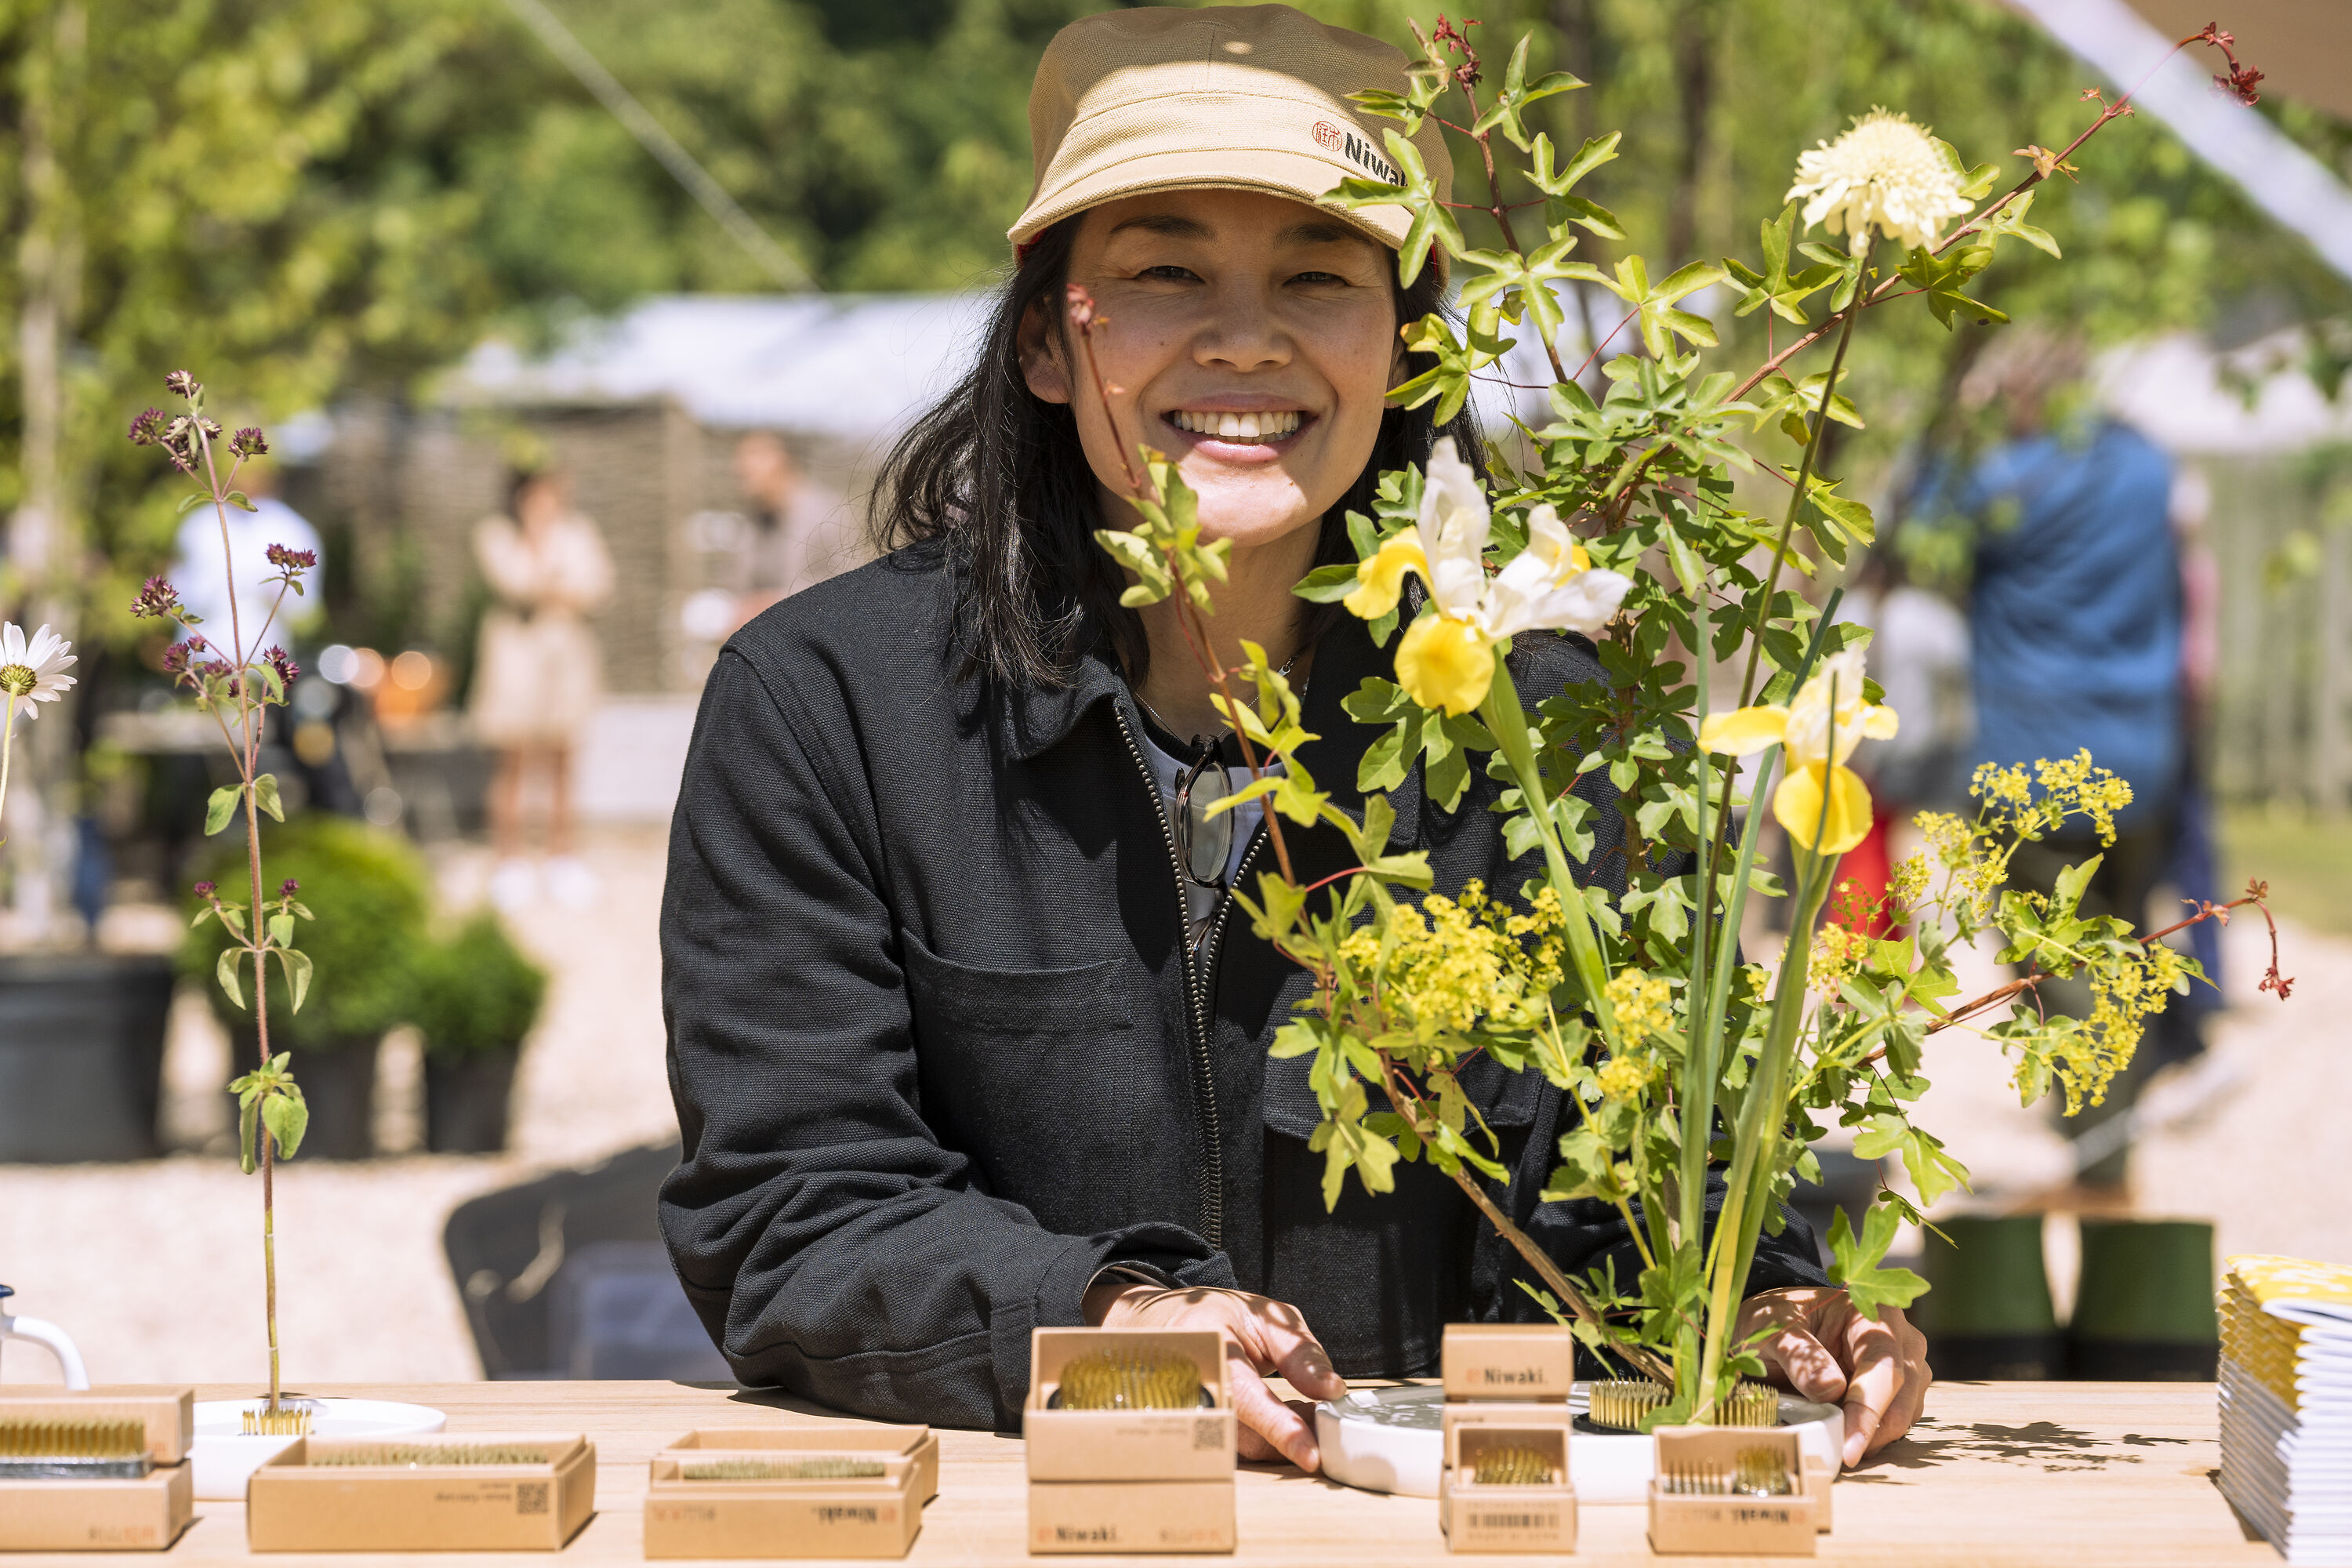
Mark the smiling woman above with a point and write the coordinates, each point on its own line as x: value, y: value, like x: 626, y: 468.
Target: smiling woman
x: 963, y: 1037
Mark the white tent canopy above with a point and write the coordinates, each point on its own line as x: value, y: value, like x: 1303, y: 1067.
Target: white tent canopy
x: 849, y: 366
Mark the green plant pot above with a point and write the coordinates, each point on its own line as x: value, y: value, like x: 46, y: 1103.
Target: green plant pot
x: 1987, y: 1313
x: 338, y: 1084
x: 467, y: 1101
x: 81, y: 1056
x: 2144, y: 1312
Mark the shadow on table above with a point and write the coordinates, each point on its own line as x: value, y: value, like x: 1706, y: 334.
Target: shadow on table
x: 2044, y: 1444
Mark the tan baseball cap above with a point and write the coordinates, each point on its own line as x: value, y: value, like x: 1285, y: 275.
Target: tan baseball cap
x: 1246, y: 98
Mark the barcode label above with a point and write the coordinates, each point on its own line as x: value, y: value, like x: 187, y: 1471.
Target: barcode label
x: 1208, y: 1432
x: 531, y: 1497
x: 1514, y: 1520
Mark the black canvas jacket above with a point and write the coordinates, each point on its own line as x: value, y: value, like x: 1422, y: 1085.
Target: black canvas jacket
x: 939, y: 1054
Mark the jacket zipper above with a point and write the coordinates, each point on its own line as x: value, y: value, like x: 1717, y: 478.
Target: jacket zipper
x: 1212, y: 1198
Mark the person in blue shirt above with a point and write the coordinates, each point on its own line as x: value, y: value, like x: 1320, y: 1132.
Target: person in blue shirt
x: 2076, y: 630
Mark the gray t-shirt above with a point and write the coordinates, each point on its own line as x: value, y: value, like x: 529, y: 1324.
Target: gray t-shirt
x: 1199, y: 902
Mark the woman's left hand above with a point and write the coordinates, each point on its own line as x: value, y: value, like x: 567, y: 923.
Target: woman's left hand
x: 1820, y: 1348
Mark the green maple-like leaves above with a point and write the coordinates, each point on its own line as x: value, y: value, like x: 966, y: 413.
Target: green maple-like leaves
x: 1515, y: 93
x: 1856, y: 1264
x: 1661, y: 322
x: 1943, y: 278
x: 1512, y: 287
x: 1458, y: 361
x: 1165, y: 540
x: 1431, y: 224
x: 1776, y: 286
x: 1561, y: 206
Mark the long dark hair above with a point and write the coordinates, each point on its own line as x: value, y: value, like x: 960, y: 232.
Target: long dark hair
x: 995, y: 475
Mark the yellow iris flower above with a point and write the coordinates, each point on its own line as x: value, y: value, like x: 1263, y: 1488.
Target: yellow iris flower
x: 1447, y: 656
x: 1820, y: 795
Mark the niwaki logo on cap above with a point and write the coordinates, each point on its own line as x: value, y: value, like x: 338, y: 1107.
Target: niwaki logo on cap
x: 1355, y: 149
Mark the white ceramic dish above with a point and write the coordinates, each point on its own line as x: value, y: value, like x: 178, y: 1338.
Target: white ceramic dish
x: 223, y: 1457
x: 1391, y: 1440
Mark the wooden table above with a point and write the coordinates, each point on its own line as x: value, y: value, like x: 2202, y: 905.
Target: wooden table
x: 2077, y: 1474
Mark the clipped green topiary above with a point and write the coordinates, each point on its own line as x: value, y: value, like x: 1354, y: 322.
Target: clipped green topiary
x: 476, y: 992
x: 370, y: 892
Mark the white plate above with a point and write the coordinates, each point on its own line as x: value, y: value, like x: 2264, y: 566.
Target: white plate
x: 1393, y: 1440
x: 223, y: 1456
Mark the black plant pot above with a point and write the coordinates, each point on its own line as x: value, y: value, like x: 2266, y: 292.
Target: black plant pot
x: 467, y: 1099
x: 81, y: 1056
x: 338, y: 1084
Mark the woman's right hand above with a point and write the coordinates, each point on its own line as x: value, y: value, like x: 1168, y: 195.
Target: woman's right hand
x: 1262, y: 1338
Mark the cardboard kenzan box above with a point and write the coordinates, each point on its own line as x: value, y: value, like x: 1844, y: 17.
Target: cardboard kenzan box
x: 1128, y: 1480
x: 875, y: 1516
x: 1537, y: 1516
x: 294, y: 1503
x: 143, y: 1515
x: 1522, y: 1362
x: 1728, y: 1525
x: 1507, y: 1386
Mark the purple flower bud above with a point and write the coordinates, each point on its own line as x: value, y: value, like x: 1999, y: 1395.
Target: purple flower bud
x: 289, y: 560
x: 147, y: 427
x: 183, y: 383
x: 289, y: 887
x: 180, y: 659
x: 158, y: 597
x: 211, y: 426
x: 204, y: 889
x: 278, y: 659
x: 247, y: 442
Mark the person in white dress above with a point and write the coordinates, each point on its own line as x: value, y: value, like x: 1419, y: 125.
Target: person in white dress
x: 539, y: 673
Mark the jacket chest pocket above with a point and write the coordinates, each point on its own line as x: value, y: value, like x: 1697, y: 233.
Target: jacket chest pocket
x: 1041, y: 1079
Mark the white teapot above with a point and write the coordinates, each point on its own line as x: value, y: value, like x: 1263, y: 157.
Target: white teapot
x: 41, y: 1333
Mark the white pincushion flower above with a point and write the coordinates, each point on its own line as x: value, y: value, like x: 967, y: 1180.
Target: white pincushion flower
x: 33, y: 670
x: 1885, y: 172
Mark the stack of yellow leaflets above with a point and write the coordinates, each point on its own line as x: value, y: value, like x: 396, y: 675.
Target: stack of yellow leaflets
x: 2286, y: 1402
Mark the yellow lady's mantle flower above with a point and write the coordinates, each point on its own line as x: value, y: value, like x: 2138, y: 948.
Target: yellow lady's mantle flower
x: 1819, y: 741
x: 1447, y: 658
x: 1887, y: 171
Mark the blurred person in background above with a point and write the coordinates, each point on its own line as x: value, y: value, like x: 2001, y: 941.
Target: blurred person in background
x: 1918, y: 652
x: 2077, y: 642
x: 539, y: 673
x: 202, y: 577
x: 797, y: 536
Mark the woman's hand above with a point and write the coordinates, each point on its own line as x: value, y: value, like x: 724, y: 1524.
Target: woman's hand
x: 1262, y: 1338
x: 1822, y: 1349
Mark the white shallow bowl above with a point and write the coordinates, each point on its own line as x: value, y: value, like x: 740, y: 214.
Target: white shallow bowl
x: 1393, y: 1440
x: 223, y: 1456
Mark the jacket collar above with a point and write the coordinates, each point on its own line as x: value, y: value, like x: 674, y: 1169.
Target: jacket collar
x: 1033, y: 719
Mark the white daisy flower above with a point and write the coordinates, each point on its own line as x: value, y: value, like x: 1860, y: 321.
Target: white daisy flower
x: 33, y: 670
x: 1885, y: 173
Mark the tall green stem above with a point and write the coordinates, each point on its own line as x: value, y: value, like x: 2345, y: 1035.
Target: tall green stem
x: 1507, y: 722
x: 1797, y: 501
x: 1761, y: 1111
x: 8, y: 741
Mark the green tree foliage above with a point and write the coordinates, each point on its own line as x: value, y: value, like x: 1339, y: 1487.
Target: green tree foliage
x: 308, y: 196
x: 1724, y: 96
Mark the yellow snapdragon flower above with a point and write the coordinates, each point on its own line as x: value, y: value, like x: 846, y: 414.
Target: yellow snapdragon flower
x: 1447, y: 658
x: 1820, y: 794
